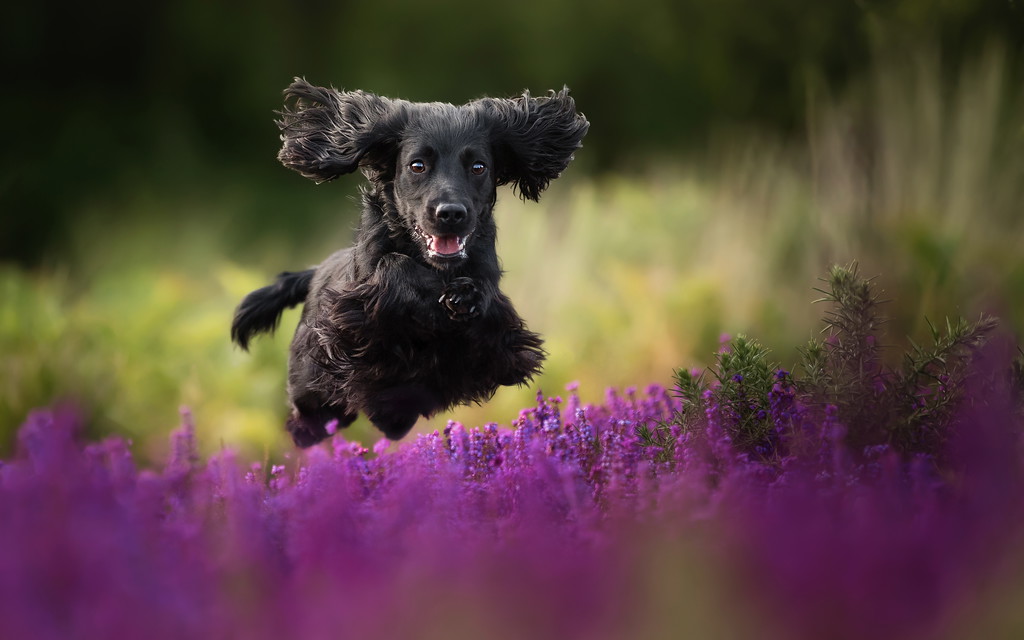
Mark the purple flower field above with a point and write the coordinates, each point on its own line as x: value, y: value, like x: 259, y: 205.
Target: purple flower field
x: 569, y: 524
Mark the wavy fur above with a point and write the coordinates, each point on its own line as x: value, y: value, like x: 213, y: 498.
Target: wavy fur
x: 410, y: 320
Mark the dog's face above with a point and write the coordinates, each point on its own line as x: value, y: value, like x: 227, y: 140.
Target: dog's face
x: 444, y: 182
x: 440, y: 163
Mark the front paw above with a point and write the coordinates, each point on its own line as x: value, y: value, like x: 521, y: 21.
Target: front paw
x: 460, y: 299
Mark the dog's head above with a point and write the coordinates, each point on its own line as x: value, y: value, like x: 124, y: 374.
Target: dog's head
x: 439, y: 164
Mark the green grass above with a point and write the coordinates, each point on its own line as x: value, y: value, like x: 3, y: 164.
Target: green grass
x: 627, y: 277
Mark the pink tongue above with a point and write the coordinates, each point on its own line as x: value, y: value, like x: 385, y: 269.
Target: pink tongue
x: 446, y: 244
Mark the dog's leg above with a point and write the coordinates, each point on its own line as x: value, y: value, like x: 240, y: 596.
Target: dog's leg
x: 394, y: 411
x: 521, y: 350
x: 309, y: 428
x: 524, y: 358
x: 314, y: 395
x: 308, y: 425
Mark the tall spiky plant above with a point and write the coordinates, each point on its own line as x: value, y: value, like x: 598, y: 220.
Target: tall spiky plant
x: 845, y: 369
x: 909, y: 408
x: 931, y: 382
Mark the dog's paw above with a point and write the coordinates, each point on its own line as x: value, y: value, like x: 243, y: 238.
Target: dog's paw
x: 460, y: 299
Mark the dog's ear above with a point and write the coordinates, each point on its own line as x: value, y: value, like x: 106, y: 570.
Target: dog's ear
x: 327, y: 133
x: 534, y: 138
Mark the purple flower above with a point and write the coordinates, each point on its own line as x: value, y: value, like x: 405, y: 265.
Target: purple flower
x: 567, y: 515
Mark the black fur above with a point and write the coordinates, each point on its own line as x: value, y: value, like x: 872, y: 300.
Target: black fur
x: 260, y: 311
x: 410, y: 320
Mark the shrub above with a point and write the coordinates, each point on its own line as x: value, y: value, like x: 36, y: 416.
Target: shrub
x: 844, y: 381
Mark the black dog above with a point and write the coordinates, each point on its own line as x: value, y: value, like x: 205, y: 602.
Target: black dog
x: 409, y: 321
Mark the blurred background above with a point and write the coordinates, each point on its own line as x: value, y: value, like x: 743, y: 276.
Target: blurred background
x: 737, y: 149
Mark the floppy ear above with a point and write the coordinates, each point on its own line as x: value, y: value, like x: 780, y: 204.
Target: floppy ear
x: 327, y: 133
x: 534, y: 138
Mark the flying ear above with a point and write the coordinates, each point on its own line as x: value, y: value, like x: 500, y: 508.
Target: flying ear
x: 327, y: 133
x: 534, y: 138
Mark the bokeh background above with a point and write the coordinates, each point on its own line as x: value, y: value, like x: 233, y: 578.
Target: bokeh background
x: 737, y: 149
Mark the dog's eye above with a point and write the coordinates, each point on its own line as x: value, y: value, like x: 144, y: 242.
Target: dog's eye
x: 478, y: 168
x: 417, y: 166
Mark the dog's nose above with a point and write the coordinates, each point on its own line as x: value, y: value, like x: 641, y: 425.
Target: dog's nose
x: 450, y: 213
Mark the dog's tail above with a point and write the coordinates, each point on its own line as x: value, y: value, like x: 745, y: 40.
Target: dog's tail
x: 261, y: 310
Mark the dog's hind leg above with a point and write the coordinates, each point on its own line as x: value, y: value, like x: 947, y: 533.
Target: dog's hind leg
x: 308, y: 421
x: 394, y: 411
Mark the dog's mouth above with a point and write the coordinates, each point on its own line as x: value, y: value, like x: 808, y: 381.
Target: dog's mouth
x: 444, y: 245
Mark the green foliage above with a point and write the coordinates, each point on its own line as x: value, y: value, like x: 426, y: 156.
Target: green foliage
x: 745, y: 378
x: 932, y: 378
x: 909, y: 408
x: 659, y: 438
x: 848, y: 365
x: 690, y: 386
x: 130, y: 351
x: 853, y: 323
x: 737, y: 387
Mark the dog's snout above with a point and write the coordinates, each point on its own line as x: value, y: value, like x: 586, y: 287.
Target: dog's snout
x: 450, y: 214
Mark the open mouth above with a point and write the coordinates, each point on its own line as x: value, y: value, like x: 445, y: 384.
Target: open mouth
x: 446, y: 245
